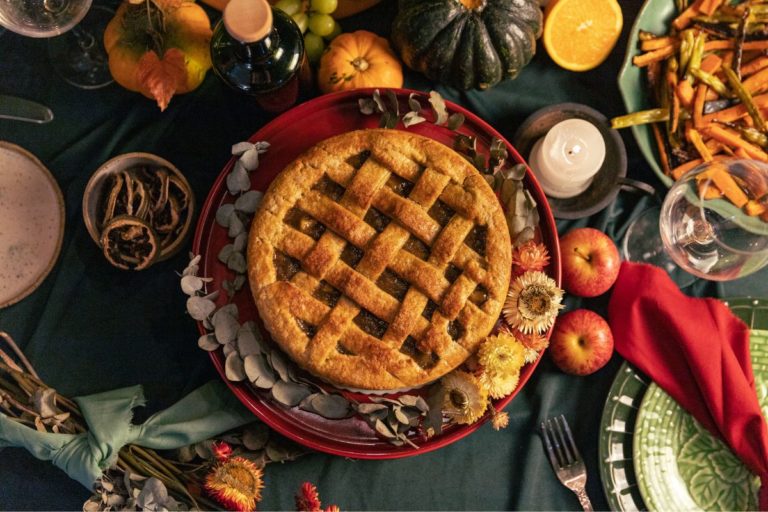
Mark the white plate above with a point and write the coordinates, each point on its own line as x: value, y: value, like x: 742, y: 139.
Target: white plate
x: 31, y: 223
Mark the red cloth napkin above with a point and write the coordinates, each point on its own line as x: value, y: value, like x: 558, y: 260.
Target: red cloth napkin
x: 698, y: 352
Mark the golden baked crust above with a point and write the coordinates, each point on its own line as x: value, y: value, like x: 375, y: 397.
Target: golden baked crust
x: 379, y: 259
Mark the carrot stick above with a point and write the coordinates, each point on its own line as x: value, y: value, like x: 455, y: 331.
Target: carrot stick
x: 732, y: 191
x: 722, y: 44
x: 678, y: 171
x: 711, y: 63
x: 709, y: 7
x: 684, y: 92
x: 731, y: 114
x: 754, y: 66
x: 685, y: 18
x: 695, y: 138
x: 698, y: 105
x: 733, y: 139
x: 662, y: 148
x: 657, y: 42
x: 758, y: 82
x: 654, y: 56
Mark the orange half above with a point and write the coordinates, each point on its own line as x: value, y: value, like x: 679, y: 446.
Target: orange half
x: 580, y: 34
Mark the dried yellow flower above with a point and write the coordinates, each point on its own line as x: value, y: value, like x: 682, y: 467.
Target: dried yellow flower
x: 500, y: 420
x: 533, y: 302
x: 501, y: 355
x: 465, y: 398
x: 499, y: 386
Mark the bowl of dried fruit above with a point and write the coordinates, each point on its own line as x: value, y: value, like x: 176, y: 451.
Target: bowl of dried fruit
x: 138, y: 208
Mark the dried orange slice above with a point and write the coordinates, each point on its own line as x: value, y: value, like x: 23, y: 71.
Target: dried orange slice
x: 129, y: 243
x: 579, y: 34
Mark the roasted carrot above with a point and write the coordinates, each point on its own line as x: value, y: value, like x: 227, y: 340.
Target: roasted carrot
x: 684, y: 92
x: 653, y: 56
x: 678, y: 171
x: 757, y: 83
x: 685, y: 17
x: 658, y: 42
x: 709, y: 7
x: 733, y: 139
x: 662, y: 149
x: 736, y: 112
x: 698, y: 105
x: 754, y: 65
x: 698, y: 143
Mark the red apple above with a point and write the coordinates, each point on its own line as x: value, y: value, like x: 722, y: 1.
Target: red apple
x: 581, y: 342
x: 590, y: 262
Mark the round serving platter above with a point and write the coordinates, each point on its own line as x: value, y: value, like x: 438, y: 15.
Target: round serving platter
x: 619, y: 424
x: 289, y: 135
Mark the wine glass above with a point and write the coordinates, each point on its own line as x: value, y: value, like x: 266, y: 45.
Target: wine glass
x: 712, y: 224
x: 75, y: 30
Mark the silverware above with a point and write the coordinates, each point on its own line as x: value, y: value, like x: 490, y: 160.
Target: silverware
x: 20, y: 109
x: 565, y: 458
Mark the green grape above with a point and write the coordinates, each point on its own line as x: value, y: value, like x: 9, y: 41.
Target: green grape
x: 314, y: 45
x: 336, y: 31
x: 321, y: 24
x: 302, y: 20
x: 289, y: 7
x: 323, y: 6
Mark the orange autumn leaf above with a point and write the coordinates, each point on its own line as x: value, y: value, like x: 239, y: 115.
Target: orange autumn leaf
x: 161, y: 78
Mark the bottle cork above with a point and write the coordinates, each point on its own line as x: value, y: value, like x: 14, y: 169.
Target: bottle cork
x: 248, y: 21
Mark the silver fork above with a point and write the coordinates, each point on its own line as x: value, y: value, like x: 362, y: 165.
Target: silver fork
x: 565, y: 457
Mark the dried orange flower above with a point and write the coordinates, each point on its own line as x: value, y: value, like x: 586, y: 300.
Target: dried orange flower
x: 465, y: 397
x: 308, y: 499
x: 500, y: 420
x: 530, y: 256
x: 235, y: 482
x: 533, y: 302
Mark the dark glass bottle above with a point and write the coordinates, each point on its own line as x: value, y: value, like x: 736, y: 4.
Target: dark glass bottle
x: 260, y: 51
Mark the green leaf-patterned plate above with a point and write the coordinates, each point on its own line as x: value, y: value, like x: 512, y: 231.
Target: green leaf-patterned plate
x: 620, y: 422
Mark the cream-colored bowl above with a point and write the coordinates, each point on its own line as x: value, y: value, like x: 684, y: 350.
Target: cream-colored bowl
x: 95, y: 190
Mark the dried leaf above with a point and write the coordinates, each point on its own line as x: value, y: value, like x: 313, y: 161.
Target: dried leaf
x: 455, y: 121
x: 190, y: 285
x: 161, y: 78
x: 388, y: 120
x: 239, y: 281
x: 247, y: 342
x: 225, y: 253
x: 413, y: 103
x: 280, y: 365
x: 329, y: 406
x: 255, y: 436
x: 438, y: 105
x: 153, y: 495
x: 367, y: 106
x: 378, y: 101
x: 412, y: 118
x: 224, y: 214
x: 414, y: 401
x: 236, y: 226
x: 250, y: 159
x: 192, y: 267
x: 248, y: 202
x: 392, y: 97
x: 240, y: 242
x: 384, y: 430
x: 229, y: 348
x: 259, y: 372
x: 44, y: 401
x: 208, y: 342
x: 199, y: 307
x: 225, y: 325
x: 236, y: 262
x: 290, y: 393
x: 234, y: 367
x: 370, y: 408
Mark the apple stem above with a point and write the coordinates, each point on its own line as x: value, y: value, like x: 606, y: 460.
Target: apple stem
x: 585, y: 256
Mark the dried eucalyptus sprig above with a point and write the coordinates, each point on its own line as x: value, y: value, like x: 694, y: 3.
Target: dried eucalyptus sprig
x: 390, y: 110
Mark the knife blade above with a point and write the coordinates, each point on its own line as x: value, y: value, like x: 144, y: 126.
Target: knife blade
x: 20, y: 109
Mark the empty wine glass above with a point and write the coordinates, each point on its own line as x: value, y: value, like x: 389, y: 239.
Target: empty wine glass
x: 75, y: 30
x: 713, y: 223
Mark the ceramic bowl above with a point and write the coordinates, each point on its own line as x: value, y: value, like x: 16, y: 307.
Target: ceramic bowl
x: 96, y: 190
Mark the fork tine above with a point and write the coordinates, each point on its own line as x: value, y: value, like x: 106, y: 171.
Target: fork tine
x: 565, y: 442
x: 570, y: 440
x: 557, y: 441
x: 545, y: 434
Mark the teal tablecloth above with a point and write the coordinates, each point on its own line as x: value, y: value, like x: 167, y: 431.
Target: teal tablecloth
x: 92, y: 328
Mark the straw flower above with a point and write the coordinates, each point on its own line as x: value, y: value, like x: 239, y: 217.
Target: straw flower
x: 465, y: 397
x: 532, y: 303
x: 530, y: 256
x: 501, y: 355
x: 499, y: 386
x: 500, y: 420
x: 308, y: 500
x: 235, y: 482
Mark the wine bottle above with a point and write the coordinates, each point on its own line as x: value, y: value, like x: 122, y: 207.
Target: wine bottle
x: 259, y: 51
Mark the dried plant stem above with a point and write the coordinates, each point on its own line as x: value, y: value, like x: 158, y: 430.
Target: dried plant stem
x: 19, y: 353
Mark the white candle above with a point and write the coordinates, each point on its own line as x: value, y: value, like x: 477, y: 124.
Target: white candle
x: 567, y: 158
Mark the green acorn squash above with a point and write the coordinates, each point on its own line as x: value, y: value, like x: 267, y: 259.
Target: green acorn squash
x: 467, y: 43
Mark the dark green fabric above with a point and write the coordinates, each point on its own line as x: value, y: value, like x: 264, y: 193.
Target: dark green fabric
x: 91, y: 328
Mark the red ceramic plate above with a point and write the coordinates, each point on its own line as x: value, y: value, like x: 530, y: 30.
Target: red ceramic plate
x: 289, y: 135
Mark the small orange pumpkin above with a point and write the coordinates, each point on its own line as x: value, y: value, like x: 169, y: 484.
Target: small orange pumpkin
x: 359, y: 59
x: 159, y: 47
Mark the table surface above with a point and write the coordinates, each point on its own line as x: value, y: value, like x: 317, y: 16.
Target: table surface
x: 91, y: 327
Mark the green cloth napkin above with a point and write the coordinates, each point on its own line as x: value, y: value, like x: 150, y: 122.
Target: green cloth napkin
x: 209, y: 410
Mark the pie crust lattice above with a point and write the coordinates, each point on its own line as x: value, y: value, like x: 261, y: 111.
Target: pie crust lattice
x: 379, y: 259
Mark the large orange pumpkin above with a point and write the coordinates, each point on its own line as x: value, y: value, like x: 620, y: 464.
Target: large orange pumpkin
x: 358, y: 59
x: 179, y: 35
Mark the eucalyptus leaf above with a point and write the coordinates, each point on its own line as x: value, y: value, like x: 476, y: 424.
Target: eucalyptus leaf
x: 234, y: 367
x: 384, y: 430
x: 153, y: 495
x: 229, y: 348
x: 259, y: 372
x: 239, y: 281
x: 433, y: 423
x: 224, y: 214
x: 366, y: 408
x: 228, y: 287
x: 388, y: 120
x: 199, y: 307
x: 247, y: 343
x: 290, y: 393
x: 455, y: 121
x: 238, y: 180
x: 190, y: 285
x: 250, y: 159
x: 280, y: 365
x: 225, y: 253
x: 401, y: 416
x: 412, y: 118
x: 251, y: 326
x: 438, y: 105
x: 186, y: 454
x: 414, y: 401
x: 208, y: 342
x: 45, y: 402
x: 193, y: 266
x: 249, y: 202
x: 225, y: 326
x: 241, y: 147
x: 240, y: 242
x: 236, y: 262
x: 236, y: 226
x: 332, y: 407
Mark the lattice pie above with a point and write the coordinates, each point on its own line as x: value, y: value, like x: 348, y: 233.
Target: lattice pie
x: 379, y: 259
